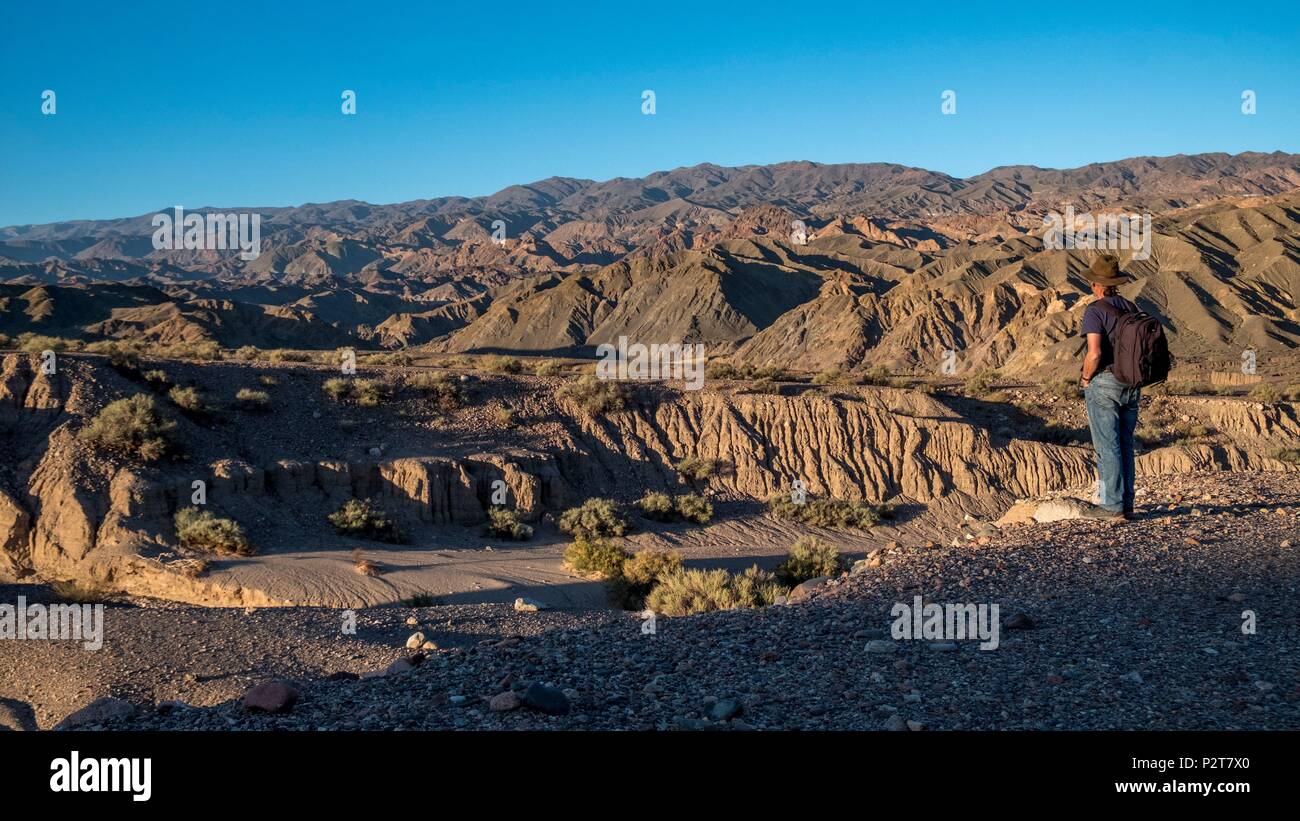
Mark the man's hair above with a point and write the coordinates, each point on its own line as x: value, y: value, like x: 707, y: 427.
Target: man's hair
x: 1110, y: 290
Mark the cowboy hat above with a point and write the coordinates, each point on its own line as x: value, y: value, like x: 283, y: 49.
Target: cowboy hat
x: 1105, y: 271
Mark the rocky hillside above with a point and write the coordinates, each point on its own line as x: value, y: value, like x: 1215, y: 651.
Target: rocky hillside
x: 893, y: 267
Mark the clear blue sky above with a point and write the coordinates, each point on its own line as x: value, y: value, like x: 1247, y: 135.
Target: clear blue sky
x: 234, y: 104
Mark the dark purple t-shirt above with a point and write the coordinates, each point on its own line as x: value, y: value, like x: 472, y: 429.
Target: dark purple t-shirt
x: 1097, y: 320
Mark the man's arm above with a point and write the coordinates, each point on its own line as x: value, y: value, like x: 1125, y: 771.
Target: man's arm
x: 1091, y: 359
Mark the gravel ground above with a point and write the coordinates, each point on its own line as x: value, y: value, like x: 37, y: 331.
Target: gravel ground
x: 1132, y: 625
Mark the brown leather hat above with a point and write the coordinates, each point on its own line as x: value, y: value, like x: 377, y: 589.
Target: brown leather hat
x: 1105, y: 271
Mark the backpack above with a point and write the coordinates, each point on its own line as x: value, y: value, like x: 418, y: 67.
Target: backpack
x: 1141, y: 352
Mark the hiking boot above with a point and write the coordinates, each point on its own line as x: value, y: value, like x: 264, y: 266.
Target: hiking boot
x: 1105, y: 515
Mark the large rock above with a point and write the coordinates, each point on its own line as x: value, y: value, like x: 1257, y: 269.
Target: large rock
x: 271, y: 697
x: 806, y: 589
x: 546, y: 699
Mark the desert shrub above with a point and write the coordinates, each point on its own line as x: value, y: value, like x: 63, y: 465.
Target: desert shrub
x: 721, y: 369
x: 1291, y: 393
x: 505, y: 418
x: 827, y: 512
x: 206, y: 351
x: 831, y: 376
x: 157, y: 380
x: 1266, y: 393
x: 757, y: 588
x: 246, y: 353
x: 36, y: 343
x: 281, y: 355
x: 693, y: 591
x: 362, y: 519
x: 443, y: 387
x: 505, y: 524
x: 201, y: 530
x: 6, y: 341
x: 595, y: 556
x: 640, y: 573
x: 693, y: 508
x: 980, y: 383
x: 594, y: 518
x: 657, y: 506
x: 267, y: 380
x: 188, y: 399
x: 251, y: 400
x: 809, y: 557
x: 370, y: 393
x: 549, y: 367
x: 594, y: 395
x: 131, y: 427
x: 422, y: 600
x: 876, y: 375
x: 1288, y: 455
x: 337, y: 388
x: 697, y: 469
x: 387, y: 358
x: 81, y: 592
x: 500, y: 364
x: 763, y: 386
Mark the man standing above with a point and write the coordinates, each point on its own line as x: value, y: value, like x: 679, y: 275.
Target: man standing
x: 1112, y: 405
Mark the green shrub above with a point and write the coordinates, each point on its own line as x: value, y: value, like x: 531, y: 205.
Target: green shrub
x: 827, y: 512
x: 594, y: 518
x: 721, y: 369
x: 657, y: 506
x: 36, y: 343
x: 362, y: 519
x: 831, y: 376
x: 697, y: 469
x: 1288, y: 455
x: 251, y: 400
x: 187, y: 399
x: 640, y: 573
x: 505, y: 524
x: 876, y: 375
x: 157, y: 380
x: 337, y: 388
x: 595, y: 556
x: 693, y: 508
x: 809, y: 558
x: 980, y: 383
x: 370, y: 393
x: 201, y: 530
x: 594, y: 395
x: 1062, y: 389
x: 685, y: 592
x: 444, y: 388
x: 131, y: 427
x: 206, y: 351
x: 500, y: 364
x: 281, y: 355
x: 549, y: 367
x: 1291, y: 393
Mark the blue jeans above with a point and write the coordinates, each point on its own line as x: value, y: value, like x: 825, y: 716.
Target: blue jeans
x: 1113, y: 416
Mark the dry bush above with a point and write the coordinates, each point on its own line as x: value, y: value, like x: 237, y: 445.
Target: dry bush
x: 362, y: 565
x: 697, y: 469
x: 827, y: 512
x: 980, y: 383
x: 549, y: 367
x: 693, y: 508
x: 500, y: 364
x: 505, y: 524
x: 831, y: 376
x: 131, y: 427
x: 201, y: 530
x: 1266, y: 393
x: 444, y: 388
x: 657, y: 506
x: 876, y: 375
x: 268, y: 380
x: 204, y: 351
x: 505, y: 418
x: 251, y: 400
x: 686, y: 592
x: 282, y: 355
x: 809, y: 557
x: 594, y: 395
x: 188, y: 399
x: 593, y: 519
x: 595, y: 556
x: 640, y: 573
x: 36, y: 343
x: 1288, y: 455
x: 362, y: 519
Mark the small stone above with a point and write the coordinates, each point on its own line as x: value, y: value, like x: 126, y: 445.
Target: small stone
x: 412, y: 621
x: 725, y: 710
x: 524, y: 605
x: 505, y: 702
x: 805, y: 590
x: 1285, y: 543
x: 943, y: 646
x: 271, y: 697
x: 99, y: 711
x: 428, y: 645
x: 415, y: 642
x: 1134, y: 677
x: 895, y: 723
x: 457, y: 699
x: 1020, y: 621
x: 397, y: 667
x: 882, y: 646
x: 915, y: 726
x: 1237, y: 597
